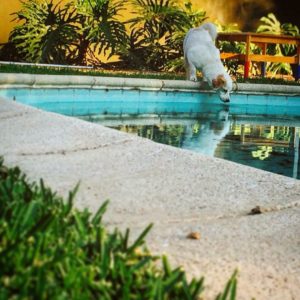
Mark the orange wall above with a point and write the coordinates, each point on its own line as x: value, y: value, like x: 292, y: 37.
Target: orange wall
x: 6, y: 8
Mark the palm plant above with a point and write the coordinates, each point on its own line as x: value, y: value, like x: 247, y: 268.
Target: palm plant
x: 158, y: 17
x: 71, y: 34
x: 48, y: 33
x: 150, y: 33
x: 271, y: 25
x: 101, y: 31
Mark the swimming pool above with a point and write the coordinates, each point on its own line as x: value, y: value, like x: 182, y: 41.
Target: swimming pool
x: 258, y: 130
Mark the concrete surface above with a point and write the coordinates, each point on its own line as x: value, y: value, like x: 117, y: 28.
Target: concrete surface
x: 178, y: 190
x: 11, y: 80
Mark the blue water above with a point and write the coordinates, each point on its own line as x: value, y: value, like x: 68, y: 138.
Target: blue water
x: 261, y: 131
x: 76, y: 102
x: 256, y: 141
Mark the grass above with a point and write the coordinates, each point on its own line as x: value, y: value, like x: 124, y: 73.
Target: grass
x: 51, y: 250
x: 267, y: 80
x: 130, y: 74
x: 87, y: 72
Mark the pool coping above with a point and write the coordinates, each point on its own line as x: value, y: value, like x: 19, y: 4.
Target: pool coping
x: 18, y: 80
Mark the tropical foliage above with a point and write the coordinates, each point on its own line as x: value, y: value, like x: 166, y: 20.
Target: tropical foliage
x: 151, y: 30
x: 156, y: 33
x: 82, y: 30
x: 48, y: 33
x: 100, y: 30
x: 69, y: 34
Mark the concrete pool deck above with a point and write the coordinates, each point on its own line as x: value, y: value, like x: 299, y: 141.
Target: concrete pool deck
x: 177, y: 190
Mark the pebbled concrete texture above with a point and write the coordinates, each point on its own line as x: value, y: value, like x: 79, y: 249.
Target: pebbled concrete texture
x: 177, y: 190
x: 16, y: 80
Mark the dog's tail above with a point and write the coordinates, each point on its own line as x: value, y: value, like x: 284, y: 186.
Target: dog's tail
x: 212, y: 30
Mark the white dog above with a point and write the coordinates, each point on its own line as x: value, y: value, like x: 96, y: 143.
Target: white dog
x: 201, y: 53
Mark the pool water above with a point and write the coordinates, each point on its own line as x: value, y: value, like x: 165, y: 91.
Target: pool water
x: 261, y: 131
x: 271, y: 144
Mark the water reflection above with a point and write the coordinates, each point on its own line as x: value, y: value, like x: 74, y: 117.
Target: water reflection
x: 267, y: 143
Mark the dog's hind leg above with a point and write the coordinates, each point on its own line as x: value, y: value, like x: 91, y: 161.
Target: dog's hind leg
x: 187, y: 68
x: 191, y: 72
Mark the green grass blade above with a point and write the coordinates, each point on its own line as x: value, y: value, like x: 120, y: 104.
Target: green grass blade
x: 140, y: 240
x: 96, y: 220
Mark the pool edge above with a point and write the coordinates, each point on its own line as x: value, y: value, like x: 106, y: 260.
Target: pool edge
x: 17, y: 80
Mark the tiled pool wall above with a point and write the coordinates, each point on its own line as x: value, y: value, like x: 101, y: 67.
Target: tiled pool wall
x: 78, y: 102
x: 89, y: 95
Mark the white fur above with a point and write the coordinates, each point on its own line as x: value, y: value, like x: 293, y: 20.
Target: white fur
x: 201, y: 53
x: 212, y: 131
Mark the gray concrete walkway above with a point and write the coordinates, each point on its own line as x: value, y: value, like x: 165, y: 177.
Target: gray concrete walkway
x: 179, y: 191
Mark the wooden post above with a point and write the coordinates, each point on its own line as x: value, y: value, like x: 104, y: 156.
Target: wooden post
x: 247, y: 61
x: 263, y: 64
x: 297, y: 75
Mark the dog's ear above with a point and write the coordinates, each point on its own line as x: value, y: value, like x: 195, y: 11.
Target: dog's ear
x: 219, y: 81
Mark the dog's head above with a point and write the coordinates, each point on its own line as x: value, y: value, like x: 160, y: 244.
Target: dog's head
x: 224, y: 84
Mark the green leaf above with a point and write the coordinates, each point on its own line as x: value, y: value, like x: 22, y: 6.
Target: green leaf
x: 140, y: 240
x: 96, y: 220
x: 230, y: 288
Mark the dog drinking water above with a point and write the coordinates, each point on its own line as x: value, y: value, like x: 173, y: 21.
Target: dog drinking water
x: 201, y: 53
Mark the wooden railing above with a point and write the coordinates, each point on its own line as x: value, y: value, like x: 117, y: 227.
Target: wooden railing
x: 261, y: 40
